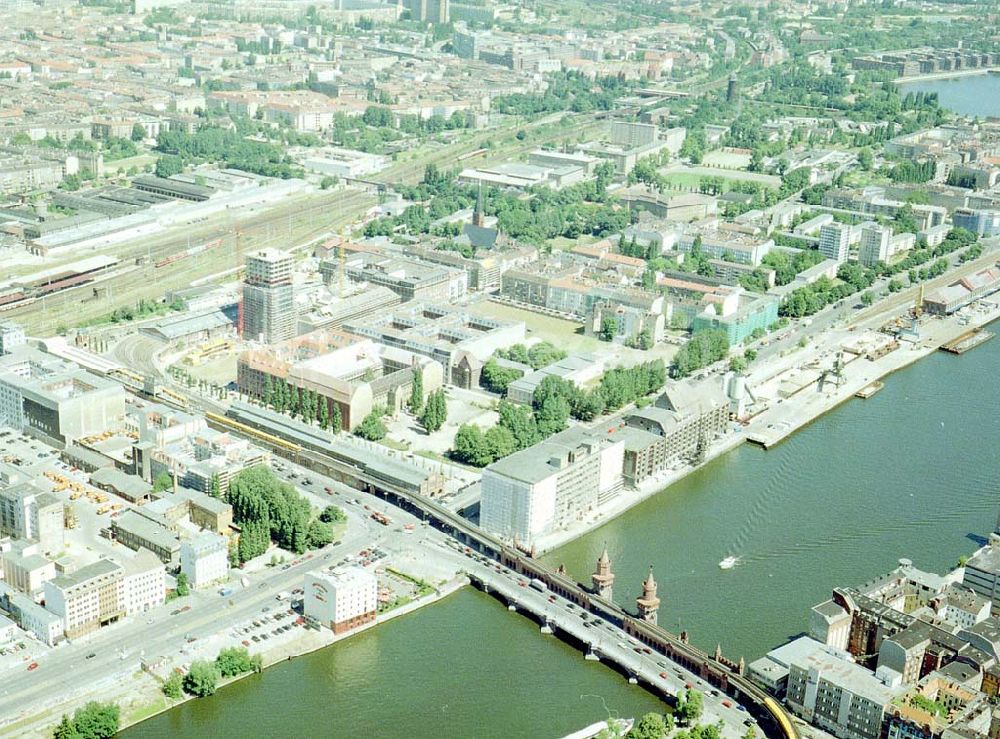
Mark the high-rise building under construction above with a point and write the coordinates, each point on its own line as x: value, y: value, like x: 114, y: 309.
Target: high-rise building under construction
x: 268, y: 311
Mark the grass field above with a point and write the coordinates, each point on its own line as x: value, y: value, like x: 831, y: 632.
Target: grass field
x: 567, y: 335
x: 726, y: 159
x: 561, y: 243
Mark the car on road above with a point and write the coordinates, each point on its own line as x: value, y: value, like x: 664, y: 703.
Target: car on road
x: 255, y: 638
x: 245, y: 642
x: 664, y: 675
x: 727, y: 704
x: 91, y: 655
x: 32, y: 666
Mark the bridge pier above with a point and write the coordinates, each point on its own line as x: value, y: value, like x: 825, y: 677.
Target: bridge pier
x: 546, y: 628
x: 511, y: 607
x: 633, y: 680
x: 592, y: 655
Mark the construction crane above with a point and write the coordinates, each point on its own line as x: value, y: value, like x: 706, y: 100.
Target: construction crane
x: 918, y: 306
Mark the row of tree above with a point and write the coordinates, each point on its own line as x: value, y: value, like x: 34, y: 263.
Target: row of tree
x: 308, y: 405
x: 92, y: 721
x: 202, y: 678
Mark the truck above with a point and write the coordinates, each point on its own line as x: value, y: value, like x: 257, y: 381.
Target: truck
x: 225, y: 592
x: 283, y: 595
x: 538, y: 585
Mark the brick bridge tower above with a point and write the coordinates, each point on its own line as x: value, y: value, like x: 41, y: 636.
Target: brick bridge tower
x: 603, y: 578
x: 648, y: 604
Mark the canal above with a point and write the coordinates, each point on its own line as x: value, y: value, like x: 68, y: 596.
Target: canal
x: 912, y: 472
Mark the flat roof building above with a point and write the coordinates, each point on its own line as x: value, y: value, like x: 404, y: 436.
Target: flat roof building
x: 550, y: 485
x: 136, y: 531
x: 55, y: 400
x: 89, y: 598
x: 341, y: 599
x: 205, y: 560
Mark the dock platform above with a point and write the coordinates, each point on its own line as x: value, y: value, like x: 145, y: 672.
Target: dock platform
x: 968, y: 340
x: 869, y: 390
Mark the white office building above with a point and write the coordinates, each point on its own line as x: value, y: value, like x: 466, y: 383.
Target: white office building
x: 205, y: 560
x: 342, y: 599
x: 835, y: 241
x: 550, y: 485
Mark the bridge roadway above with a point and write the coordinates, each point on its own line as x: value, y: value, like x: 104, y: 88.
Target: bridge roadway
x: 601, y: 640
x: 722, y: 674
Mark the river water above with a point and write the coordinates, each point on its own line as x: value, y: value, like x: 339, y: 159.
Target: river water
x: 912, y: 472
x: 969, y: 95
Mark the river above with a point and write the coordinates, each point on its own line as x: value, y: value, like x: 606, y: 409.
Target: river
x: 970, y: 95
x: 912, y: 472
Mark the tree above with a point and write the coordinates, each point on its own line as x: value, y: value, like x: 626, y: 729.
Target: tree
x: 173, y: 687
x: 738, y: 364
x: 319, y: 535
x: 371, y: 428
x: 70, y: 183
x: 324, y: 414
x: 520, y: 421
x: 182, y: 585
x: 690, y: 709
x: 332, y: 514
x: 97, y: 720
x: 609, y: 328
x: 234, y: 661
x: 417, y: 391
x: 162, y: 481
x: 435, y: 412
x: 216, y: 487
x: 470, y: 446
x: 268, y: 397
x: 650, y: 726
x: 496, y: 378
x: 169, y: 165
x: 202, y: 679
x: 336, y: 421
x: 66, y: 729
x: 499, y: 442
x: 138, y: 132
